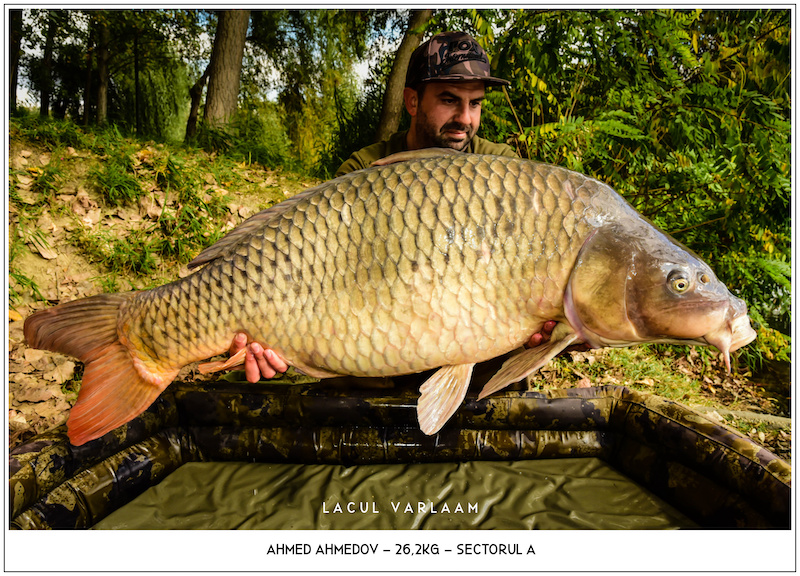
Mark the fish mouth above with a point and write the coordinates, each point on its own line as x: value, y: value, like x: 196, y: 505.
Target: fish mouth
x: 731, y: 336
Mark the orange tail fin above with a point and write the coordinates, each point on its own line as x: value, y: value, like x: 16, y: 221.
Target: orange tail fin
x: 113, y: 390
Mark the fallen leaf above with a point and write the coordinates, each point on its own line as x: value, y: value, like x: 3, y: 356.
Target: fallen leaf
x: 82, y: 203
x: 16, y: 420
x: 92, y: 217
x: 25, y: 153
x: 50, y: 409
x: 32, y: 355
x: 61, y: 373
x: 19, y: 367
x: 584, y: 383
x: 14, y: 316
x: 149, y: 207
x: 126, y: 213
x: 35, y: 394
x: 27, y: 197
x: 41, y: 246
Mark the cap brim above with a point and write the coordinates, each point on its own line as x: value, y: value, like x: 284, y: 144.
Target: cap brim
x: 488, y: 80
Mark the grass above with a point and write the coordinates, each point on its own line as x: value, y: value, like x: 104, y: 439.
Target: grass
x: 47, y: 179
x: 21, y: 233
x: 115, y: 180
x: 130, y: 255
x: 674, y: 372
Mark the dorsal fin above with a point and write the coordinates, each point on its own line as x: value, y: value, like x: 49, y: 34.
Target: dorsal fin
x: 246, y: 228
x: 414, y: 155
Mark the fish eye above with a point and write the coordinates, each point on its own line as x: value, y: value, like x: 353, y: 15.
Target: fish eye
x: 679, y: 282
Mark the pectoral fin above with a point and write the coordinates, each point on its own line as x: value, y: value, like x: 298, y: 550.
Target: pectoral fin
x: 518, y: 367
x: 441, y: 395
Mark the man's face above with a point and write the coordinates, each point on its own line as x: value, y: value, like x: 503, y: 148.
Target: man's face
x: 448, y: 115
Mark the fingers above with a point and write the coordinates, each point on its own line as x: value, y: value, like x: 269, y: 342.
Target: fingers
x: 251, y: 369
x: 535, y: 340
x: 275, y: 361
x: 543, y: 336
x: 260, y: 362
x: 239, y: 342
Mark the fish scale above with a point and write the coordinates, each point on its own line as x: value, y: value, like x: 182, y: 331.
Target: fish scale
x: 438, y: 260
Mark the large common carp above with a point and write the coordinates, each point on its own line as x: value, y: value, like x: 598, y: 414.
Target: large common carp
x: 433, y: 259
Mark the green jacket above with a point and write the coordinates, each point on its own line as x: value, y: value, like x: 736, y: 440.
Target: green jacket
x: 397, y: 143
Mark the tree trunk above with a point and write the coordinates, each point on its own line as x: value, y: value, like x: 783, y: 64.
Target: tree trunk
x: 104, y: 38
x: 393, y: 97
x: 137, y: 94
x: 196, y: 94
x: 87, y: 90
x: 47, y: 66
x: 226, y: 67
x: 14, y: 52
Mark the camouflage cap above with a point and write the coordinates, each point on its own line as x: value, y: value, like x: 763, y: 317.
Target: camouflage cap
x: 450, y: 56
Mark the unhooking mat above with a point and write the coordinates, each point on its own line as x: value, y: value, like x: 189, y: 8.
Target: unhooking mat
x: 518, y: 495
x: 711, y: 474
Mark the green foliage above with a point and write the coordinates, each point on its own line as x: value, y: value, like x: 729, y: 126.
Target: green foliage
x: 22, y: 231
x: 314, y: 53
x: 686, y: 113
x: 19, y: 283
x: 191, y: 222
x: 48, y: 133
x: 213, y: 139
x: 116, y: 181
x: 130, y: 254
x: 355, y: 126
x: 255, y: 134
x: 47, y: 179
x: 645, y: 367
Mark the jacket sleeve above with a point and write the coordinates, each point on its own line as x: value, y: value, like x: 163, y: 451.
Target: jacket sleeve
x: 355, y: 162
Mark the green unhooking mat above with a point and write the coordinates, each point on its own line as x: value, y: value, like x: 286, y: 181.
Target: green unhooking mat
x: 237, y: 455
x: 519, y: 495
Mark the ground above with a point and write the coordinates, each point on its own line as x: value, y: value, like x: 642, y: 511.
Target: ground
x: 52, y: 223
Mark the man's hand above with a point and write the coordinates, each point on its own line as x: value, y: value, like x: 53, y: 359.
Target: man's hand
x: 258, y: 361
x: 544, y: 336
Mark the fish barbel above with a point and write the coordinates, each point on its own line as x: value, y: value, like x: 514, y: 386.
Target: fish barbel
x: 432, y: 259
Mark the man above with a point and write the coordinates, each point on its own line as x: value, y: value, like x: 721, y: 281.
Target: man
x: 445, y: 85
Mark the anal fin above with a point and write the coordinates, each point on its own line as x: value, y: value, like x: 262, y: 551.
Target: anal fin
x: 521, y: 365
x: 441, y: 395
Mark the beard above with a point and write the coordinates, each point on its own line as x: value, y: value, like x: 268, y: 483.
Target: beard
x: 432, y: 137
